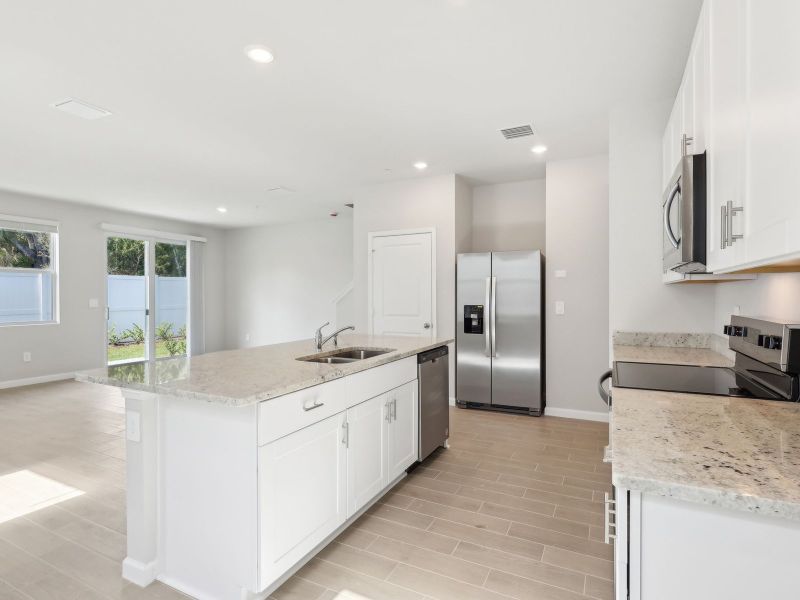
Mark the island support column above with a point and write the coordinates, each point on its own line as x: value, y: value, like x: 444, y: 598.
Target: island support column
x: 141, y: 448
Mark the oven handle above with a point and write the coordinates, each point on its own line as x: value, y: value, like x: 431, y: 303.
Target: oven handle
x: 667, y: 210
x: 606, y: 396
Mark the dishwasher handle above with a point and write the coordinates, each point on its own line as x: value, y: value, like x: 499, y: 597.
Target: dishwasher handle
x: 432, y: 355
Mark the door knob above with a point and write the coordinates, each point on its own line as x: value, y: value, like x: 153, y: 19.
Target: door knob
x: 426, y: 325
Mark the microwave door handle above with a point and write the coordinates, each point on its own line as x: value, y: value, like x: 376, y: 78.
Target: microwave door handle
x: 487, y: 350
x: 667, y: 210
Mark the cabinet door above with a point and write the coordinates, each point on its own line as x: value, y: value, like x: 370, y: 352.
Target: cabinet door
x: 698, y: 63
x: 773, y: 211
x: 727, y: 128
x: 403, y: 428
x: 367, y: 461
x: 302, y: 489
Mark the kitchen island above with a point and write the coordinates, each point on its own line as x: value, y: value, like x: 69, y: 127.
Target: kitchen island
x: 707, y: 489
x: 242, y: 464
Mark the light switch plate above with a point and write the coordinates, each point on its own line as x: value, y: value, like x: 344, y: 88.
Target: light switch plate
x: 26, y: 357
x: 94, y: 303
x: 559, y: 307
x: 133, y: 426
x: 561, y: 274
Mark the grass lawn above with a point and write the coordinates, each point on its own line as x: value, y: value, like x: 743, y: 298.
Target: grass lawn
x: 134, y: 351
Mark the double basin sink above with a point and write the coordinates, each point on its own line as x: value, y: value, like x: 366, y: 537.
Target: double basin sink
x: 346, y: 355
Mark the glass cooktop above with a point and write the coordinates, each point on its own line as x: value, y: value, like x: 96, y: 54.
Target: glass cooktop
x: 689, y: 379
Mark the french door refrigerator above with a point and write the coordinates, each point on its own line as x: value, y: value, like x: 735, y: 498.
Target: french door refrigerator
x: 500, y: 331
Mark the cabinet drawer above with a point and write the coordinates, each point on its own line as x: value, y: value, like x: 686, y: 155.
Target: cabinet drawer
x: 285, y: 414
x: 373, y: 382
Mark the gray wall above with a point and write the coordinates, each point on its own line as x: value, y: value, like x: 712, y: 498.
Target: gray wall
x: 577, y: 242
x: 639, y: 299
x: 78, y: 341
x: 281, y: 280
x: 509, y: 216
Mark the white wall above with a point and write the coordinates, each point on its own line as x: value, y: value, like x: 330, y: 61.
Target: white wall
x: 281, y: 280
x: 410, y: 204
x: 772, y: 295
x: 509, y: 216
x: 78, y: 341
x: 577, y: 242
x: 639, y: 301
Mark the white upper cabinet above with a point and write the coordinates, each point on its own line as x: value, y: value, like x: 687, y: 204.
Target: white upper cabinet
x: 727, y: 130
x: 739, y: 102
x: 773, y: 114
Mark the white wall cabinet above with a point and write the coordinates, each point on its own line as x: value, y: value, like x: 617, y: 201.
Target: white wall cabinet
x: 738, y: 100
x: 667, y: 549
x: 302, y: 493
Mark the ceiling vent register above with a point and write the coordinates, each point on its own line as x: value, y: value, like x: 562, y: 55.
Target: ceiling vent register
x: 517, y: 132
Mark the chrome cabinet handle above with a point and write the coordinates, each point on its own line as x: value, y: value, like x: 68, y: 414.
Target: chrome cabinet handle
x: 487, y: 350
x: 346, y: 434
x: 609, y: 512
x: 494, y: 316
x: 394, y: 409
x: 723, y: 224
x: 732, y: 210
x: 316, y: 404
x: 388, y: 407
x: 675, y: 241
x: 686, y: 141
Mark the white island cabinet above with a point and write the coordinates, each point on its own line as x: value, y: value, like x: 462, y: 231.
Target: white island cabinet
x: 228, y: 494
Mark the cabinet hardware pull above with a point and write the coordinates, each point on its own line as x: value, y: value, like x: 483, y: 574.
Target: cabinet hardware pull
x: 686, y: 141
x: 316, y: 404
x: 394, y: 409
x: 723, y: 224
x: 732, y: 210
x: 346, y: 434
x: 609, y: 512
x: 388, y: 407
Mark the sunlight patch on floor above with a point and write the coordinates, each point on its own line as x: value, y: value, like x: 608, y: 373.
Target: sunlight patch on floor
x: 348, y: 595
x: 24, y: 492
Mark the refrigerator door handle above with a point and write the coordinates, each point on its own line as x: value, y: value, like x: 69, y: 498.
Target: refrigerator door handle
x: 493, y: 313
x: 488, y: 343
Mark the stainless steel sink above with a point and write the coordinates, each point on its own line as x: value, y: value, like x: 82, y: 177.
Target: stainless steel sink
x: 345, y: 355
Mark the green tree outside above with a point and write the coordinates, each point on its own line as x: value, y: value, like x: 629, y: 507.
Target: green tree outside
x: 24, y: 249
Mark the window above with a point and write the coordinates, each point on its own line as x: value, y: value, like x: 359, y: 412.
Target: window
x: 28, y: 271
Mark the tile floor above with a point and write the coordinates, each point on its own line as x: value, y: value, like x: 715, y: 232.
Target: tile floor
x: 512, y: 510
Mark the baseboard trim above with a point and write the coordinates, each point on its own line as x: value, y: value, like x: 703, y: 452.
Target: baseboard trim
x: 571, y: 413
x: 452, y: 401
x: 138, y: 572
x: 12, y: 383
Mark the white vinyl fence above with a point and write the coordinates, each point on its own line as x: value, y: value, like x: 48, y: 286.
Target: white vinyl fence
x: 26, y: 296
x: 127, y: 299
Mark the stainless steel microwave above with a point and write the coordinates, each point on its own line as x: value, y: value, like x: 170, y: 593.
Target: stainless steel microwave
x: 684, y: 217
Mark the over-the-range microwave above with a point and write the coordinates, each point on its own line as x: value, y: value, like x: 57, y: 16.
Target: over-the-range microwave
x: 684, y: 217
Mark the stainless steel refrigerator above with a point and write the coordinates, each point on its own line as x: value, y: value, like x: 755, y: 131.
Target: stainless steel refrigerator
x: 500, y: 331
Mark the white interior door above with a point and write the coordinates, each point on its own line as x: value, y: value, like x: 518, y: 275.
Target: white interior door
x: 402, y: 284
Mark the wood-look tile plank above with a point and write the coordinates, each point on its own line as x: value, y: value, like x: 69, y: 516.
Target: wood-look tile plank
x: 583, y: 563
x: 429, y: 560
x: 490, y: 539
x: 438, y: 586
x: 535, y: 519
x: 408, y: 517
x: 424, y: 539
x: 525, y: 589
x: 548, y: 537
x: 475, y: 519
x: 357, y: 560
x: 338, y: 578
x: 519, y: 565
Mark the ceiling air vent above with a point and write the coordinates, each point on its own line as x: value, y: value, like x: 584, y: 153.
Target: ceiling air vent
x: 515, y: 132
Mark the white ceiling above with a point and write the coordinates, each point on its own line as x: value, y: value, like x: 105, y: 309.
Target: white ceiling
x: 359, y: 90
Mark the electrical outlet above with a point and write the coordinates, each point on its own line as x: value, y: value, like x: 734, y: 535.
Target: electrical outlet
x: 26, y: 357
x: 133, y: 426
x: 246, y: 337
x: 559, y: 307
x: 561, y: 274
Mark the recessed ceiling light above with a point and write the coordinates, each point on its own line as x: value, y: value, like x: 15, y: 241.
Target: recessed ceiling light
x: 259, y: 54
x: 539, y: 149
x: 420, y: 166
x: 222, y: 209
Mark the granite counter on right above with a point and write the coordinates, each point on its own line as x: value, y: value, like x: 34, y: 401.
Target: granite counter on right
x: 707, y: 488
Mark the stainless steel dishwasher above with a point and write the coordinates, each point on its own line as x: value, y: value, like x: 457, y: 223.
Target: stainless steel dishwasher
x: 434, y: 400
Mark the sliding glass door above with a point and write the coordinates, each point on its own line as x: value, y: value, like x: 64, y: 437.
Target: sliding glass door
x: 147, y: 299
x: 128, y: 300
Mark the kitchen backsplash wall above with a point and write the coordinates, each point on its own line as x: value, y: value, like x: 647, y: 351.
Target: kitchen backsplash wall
x: 774, y: 295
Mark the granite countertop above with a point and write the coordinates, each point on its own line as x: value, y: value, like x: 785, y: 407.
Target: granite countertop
x: 246, y: 376
x: 734, y: 453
